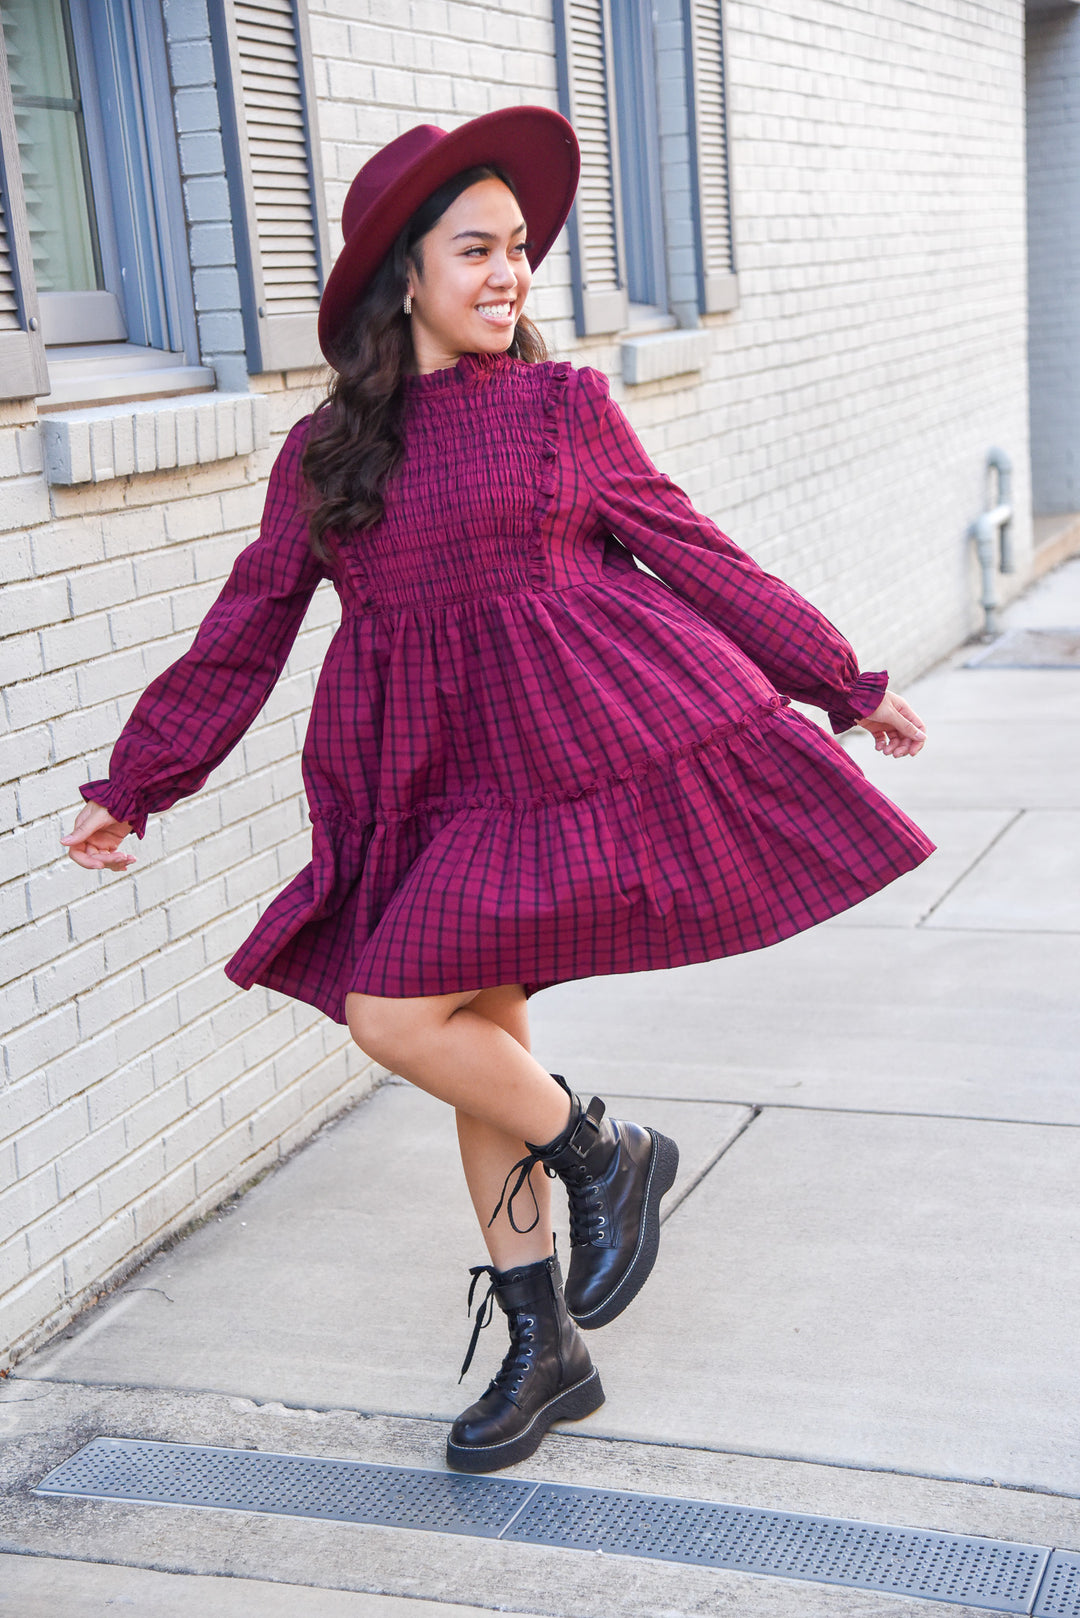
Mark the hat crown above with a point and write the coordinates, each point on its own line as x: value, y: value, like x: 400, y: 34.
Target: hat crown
x: 384, y: 169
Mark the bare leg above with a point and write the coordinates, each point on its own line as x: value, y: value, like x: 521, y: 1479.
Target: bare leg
x: 503, y: 1096
x: 488, y: 1154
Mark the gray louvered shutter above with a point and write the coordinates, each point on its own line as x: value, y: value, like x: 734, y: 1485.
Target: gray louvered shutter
x: 708, y: 100
x: 587, y: 99
x: 263, y: 59
x: 22, y: 352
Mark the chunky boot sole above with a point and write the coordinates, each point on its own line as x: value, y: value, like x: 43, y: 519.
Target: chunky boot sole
x: 570, y: 1405
x: 663, y: 1166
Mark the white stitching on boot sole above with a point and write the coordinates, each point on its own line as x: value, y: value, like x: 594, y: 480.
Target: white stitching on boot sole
x: 472, y: 1449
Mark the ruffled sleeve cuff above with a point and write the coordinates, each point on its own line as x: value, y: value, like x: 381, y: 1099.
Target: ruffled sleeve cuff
x: 860, y: 699
x: 121, y: 802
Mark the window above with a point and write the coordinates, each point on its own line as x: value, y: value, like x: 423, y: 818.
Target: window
x: 93, y: 123
x: 97, y: 281
x: 642, y: 81
x: 263, y: 59
x: 634, y: 61
x: 22, y: 352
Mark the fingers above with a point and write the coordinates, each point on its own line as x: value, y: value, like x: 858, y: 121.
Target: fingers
x: 897, y: 729
x: 94, y: 842
x: 100, y: 859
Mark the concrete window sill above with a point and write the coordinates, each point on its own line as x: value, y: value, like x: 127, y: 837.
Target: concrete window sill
x: 153, y: 435
x: 662, y: 354
x: 82, y: 375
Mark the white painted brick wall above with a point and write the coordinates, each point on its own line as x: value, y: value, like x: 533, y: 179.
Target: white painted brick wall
x: 838, y: 432
x: 139, y: 1086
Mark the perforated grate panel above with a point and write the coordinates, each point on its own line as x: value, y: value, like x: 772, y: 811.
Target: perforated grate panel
x: 1060, y: 1593
x: 903, y: 1561
x: 289, y: 1485
x: 987, y: 1573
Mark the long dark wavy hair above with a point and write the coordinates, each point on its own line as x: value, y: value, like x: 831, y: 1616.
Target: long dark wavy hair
x: 355, y: 441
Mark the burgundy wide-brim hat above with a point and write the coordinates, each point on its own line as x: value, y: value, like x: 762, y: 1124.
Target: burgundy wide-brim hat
x: 535, y: 147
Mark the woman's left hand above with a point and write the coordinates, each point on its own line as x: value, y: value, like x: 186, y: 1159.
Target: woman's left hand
x: 895, y: 726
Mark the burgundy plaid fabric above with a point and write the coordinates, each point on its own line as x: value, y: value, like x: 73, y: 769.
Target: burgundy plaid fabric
x: 528, y: 759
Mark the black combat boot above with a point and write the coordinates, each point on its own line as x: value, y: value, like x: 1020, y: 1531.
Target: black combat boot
x: 615, y: 1175
x: 547, y: 1374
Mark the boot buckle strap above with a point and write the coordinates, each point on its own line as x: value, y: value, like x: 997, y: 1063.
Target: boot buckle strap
x: 592, y: 1116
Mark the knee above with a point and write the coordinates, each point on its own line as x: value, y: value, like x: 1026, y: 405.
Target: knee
x: 378, y: 1026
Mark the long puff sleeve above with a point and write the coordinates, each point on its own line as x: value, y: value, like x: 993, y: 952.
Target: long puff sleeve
x: 192, y: 715
x: 795, y: 645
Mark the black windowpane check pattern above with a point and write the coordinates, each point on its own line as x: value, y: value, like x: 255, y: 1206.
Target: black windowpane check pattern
x: 528, y: 759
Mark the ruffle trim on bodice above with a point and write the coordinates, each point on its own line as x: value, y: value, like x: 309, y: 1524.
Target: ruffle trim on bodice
x: 554, y: 395
x: 473, y: 371
x: 488, y: 419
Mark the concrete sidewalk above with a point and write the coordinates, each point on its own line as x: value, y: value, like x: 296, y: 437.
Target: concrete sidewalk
x: 866, y: 1304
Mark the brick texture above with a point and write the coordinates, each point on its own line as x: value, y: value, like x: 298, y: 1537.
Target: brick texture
x: 139, y: 1087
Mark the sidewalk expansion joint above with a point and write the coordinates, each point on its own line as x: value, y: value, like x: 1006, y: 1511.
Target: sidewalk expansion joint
x: 995, y: 1575
x: 688, y: 1190
x: 966, y: 872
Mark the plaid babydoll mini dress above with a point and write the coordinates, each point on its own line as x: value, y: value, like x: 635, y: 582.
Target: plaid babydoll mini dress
x: 528, y: 759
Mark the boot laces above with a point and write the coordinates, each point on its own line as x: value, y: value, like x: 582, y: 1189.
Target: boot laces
x: 590, y: 1115
x: 524, y: 1167
x: 517, y: 1361
x: 588, y: 1222
x: 483, y: 1313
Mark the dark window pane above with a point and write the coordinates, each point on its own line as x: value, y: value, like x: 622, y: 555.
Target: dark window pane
x: 52, y: 146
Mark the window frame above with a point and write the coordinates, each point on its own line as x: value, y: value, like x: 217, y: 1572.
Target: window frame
x: 81, y: 322
x: 274, y: 342
x: 604, y: 308
x: 131, y: 205
x: 685, y: 223
x: 718, y: 282
x: 23, y: 370
x: 634, y: 72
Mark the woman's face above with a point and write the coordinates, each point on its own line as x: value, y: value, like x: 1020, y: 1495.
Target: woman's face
x: 475, y: 281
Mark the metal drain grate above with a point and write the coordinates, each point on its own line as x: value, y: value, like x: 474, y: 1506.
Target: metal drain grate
x: 1059, y: 1596
x: 288, y: 1485
x: 992, y: 1574
x: 1030, y: 649
x: 902, y: 1561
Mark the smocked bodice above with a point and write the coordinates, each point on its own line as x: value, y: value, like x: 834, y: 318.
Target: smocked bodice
x: 464, y: 508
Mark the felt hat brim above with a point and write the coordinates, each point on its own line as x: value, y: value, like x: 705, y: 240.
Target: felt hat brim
x: 534, y: 146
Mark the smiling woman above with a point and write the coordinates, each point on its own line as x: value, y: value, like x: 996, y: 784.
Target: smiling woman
x: 528, y: 760
x: 469, y: 277
x: 454, y: 281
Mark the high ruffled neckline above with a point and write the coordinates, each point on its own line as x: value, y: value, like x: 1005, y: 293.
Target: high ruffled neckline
x: 466, y: 368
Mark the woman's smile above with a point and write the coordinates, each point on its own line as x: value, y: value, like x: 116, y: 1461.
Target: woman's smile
x: 497, y: 314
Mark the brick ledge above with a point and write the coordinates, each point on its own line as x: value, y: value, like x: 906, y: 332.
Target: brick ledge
x: 657, y: 355
x: 153, y: 435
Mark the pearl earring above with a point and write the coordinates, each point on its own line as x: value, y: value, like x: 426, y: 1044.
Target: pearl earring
x: 407, y: 306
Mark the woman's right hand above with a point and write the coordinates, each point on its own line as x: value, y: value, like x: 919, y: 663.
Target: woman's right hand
x: 96, y: 840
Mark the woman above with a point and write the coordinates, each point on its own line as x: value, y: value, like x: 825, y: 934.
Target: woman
x: 528, y: 759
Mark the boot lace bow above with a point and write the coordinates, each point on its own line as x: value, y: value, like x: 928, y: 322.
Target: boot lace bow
x: 581, y: 1188
x: 518, y: 1359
